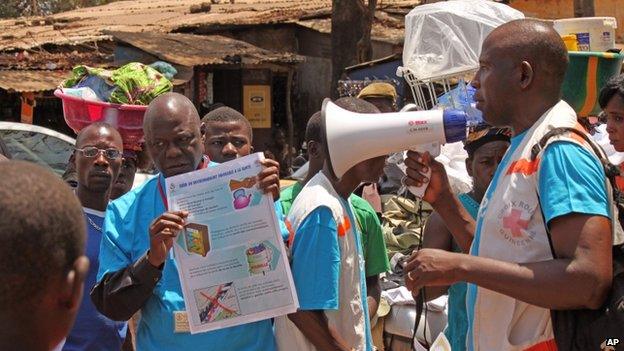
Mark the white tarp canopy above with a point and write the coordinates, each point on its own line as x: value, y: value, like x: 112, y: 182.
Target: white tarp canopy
x: 445, y: 38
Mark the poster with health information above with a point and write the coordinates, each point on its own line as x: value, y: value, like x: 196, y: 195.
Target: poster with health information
x: 231, y: 259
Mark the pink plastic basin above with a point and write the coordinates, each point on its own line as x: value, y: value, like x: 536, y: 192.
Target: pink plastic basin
x: 128, y: 119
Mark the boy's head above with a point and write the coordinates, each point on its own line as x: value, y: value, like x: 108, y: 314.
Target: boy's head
x: 126, y: 176
x: 228, y: 135
x: 315, y: 144
x: 486, y: 148
x: 42, y: 262
x: 368, y: 170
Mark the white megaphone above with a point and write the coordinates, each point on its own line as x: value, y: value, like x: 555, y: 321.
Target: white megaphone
x: 354, y: 137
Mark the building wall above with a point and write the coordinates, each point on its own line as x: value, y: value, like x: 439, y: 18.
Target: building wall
x: 275, y: 38
x: 553, y: 9
x: 314, y: 75
x: 313, y: 79
x: 126, y: 53
x: 313, y: 43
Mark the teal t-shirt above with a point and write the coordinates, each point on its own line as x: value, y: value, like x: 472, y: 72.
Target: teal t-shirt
x: 373, y: 244
x: 315, y: 264
x: 125, y: 240
x: 457, y: 316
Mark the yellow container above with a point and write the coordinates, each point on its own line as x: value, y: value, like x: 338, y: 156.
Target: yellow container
x: 570, y: 42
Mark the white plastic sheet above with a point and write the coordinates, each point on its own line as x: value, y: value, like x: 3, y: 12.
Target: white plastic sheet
x: 445, y: 38
x: 453, y: 158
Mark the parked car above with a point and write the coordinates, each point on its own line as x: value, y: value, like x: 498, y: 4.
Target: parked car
x: 43, y: 146
x: 37, y: 144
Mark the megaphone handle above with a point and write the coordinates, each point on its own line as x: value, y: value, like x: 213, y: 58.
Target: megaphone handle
x: 434, y: 150
x: 419, y: 191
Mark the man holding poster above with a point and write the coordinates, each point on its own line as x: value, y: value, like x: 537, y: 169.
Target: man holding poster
x: 137, y: 271
x: 232, y: 264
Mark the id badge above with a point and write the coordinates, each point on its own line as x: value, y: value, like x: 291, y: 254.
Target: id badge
x: 180, y: 322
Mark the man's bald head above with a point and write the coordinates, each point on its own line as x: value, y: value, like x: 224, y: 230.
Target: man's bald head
x: 535, y: 42
x: 521, y: 70
x: 171, y: 106
x: 173, y: 135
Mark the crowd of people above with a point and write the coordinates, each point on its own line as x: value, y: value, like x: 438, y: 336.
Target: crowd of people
x: 533, y: 235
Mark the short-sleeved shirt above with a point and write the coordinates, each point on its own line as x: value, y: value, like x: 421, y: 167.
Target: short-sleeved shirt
x: 457, y: 317
x: 316, y: 269
x: 373, y: 244
x: 92, y: 330
x: 316, y: 262
x: 125, y: 240
x: 571, y: 180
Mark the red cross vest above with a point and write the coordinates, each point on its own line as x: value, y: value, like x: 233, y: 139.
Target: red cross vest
x: 512, y: 230
x: 349, y: 319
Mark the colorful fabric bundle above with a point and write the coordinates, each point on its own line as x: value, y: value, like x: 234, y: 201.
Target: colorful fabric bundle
x: 133, y: 83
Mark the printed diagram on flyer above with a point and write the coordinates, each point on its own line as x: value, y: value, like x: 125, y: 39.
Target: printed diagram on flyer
x: 217, y: 303
x: 231, y: 262
x: 195, y: 239
x: 262, y: 258
x: 244, y: 194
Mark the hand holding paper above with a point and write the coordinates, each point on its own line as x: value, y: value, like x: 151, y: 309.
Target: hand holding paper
x: 269, y: 178
x: 162, y: 232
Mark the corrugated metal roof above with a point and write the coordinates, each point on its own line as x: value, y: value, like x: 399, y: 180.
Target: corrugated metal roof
x: 58, y: 61
x: 196, y: 50
x: 88, y: 24
x: 31, y: 81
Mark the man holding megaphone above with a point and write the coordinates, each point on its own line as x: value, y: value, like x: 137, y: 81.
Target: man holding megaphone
x: 515, y: 274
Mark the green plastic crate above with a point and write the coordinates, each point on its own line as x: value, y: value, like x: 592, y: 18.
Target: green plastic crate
x: 587, y: 73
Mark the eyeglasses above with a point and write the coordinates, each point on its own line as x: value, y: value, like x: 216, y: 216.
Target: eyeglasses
x: 92, y: 151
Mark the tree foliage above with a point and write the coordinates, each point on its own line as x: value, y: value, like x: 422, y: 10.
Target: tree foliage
x: 17, y: 8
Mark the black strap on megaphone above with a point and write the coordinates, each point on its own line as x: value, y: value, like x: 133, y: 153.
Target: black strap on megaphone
x: 420, y: 306
x: 421, y: 298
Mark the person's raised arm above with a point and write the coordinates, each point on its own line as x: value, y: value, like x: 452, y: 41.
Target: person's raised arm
x: 458, y: 221
x: 579, y: 278
x: 120, y: 293
x: 576, y: 209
